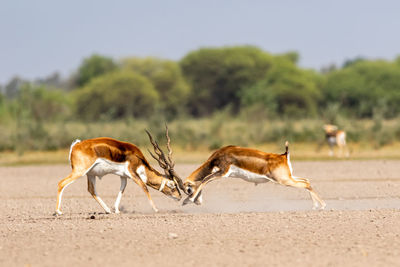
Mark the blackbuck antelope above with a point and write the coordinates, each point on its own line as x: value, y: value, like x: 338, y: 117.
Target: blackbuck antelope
x: 250, y: 165
x: 335, y: 137
x: 101, y: 156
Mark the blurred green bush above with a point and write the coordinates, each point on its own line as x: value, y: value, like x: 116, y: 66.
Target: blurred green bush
x: 211, y: 97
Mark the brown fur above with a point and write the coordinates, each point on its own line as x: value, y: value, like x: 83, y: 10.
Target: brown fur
x: 85, y: 153
x: 335, y: 137
x: 246, y: 158
x: 273, y: 166
x: 111, y: 149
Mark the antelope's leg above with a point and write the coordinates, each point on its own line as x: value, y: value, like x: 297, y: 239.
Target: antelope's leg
x: 347, y: 151
x: 92, y: 191
x: 199, y: 199
x: 341, y: 142
x: 304, y: 183
x: 62, y: 185
x: 205, y: 181
x: 344, y: 151
x: 139, y: 182
x: 121, y: 191
x: 331, y: 151
x: 314, y: 196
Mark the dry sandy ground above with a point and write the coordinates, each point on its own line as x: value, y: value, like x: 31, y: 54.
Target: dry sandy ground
x: 239, y: 224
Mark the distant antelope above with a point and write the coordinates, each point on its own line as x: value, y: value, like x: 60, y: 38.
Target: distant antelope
x: 336, y: 137
x: 250, y: 165
x: 101, y: 156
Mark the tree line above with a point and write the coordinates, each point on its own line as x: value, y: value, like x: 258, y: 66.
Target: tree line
x: 205, y: 81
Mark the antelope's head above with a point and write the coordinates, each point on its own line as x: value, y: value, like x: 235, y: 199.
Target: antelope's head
x: 174, y: 182
x: 194, y: 180
x: 329, y: 128
x: 190, y: 188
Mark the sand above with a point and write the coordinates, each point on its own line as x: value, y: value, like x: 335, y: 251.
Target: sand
x: 239, y: 224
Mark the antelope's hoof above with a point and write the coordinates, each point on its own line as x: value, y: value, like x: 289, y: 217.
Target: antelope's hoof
x: 186, y: 201
x: 57, y: 213
x: 198, y: 201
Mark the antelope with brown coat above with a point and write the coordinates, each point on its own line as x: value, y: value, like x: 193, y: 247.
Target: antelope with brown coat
x: 101, y: 156
x: 335, y: 137
x: 250, y: 165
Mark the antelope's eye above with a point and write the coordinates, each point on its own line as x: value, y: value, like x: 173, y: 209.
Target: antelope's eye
x: 189, y: 190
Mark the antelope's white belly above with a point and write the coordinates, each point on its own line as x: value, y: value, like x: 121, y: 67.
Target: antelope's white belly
x: 102, y: 167
x: 332, y: 140
x: 236, y: 172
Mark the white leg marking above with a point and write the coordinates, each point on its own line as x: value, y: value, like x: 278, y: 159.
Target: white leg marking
x: 141, y: 171
x: 60, y: 197
x: 162, y: 185
x: 199, y: 199
x: 98, y: 199
x: 317, y: 201
x: 121, y: 191
x: 331, y: 152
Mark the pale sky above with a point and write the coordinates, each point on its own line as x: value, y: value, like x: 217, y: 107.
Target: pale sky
x: 39, y: 37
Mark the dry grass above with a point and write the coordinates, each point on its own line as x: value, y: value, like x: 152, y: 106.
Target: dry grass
x: 34, y: 157
x: 299, y: 151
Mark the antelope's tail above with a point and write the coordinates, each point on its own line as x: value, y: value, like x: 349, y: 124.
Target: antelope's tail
x: 287, y: 147
x: 72, y: 146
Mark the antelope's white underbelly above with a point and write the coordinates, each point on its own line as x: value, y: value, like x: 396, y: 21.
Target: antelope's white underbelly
x: 102, y: 167
x: 236, y: 172
x: 332, y: 140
